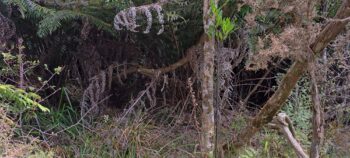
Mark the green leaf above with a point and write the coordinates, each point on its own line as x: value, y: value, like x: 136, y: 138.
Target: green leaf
x: 58, y: 70
x: 244, y: 10
x: 21, y: 98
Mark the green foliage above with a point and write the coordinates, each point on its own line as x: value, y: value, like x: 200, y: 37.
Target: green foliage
x: 61, y: 118
x: 51, y: 19
x: 172, y: 16
x: 253, y: 40
x: 10, y: 64
x: 30, y: 9
x: 333, y: 6
x: 116, y: 4
x: 42, y: 154
x: 298, y: 107
x: 21, y: 98
x: 244, y: 10
x: 239, y: 123
x: 54, y: 21
x: 14, y: 145
x: 223, y: 27
x: 275, y: 145
x: 249, y: 153
x: 89, y: 146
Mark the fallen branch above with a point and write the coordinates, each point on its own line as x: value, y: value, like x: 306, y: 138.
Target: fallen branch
x: 283, y: 123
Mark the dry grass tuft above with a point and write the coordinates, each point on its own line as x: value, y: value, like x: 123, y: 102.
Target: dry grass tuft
x: 12, y: 146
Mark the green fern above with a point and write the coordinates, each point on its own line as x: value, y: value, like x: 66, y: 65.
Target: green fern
x: 249, y: 153
x: 54, y: 21
x: 20, y: 97
x: 30, y: 9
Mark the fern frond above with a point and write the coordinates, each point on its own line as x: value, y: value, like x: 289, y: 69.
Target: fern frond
x: 28, y: 8
x: 20, y: 97
x: 54, y: 21
x: 100, y: 24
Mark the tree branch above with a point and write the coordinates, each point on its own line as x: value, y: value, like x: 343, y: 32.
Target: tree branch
x: 275, y: 102
x: 153, y: 72
x: 150, y: 72
x: 284, y: 124
x: 317, y: 119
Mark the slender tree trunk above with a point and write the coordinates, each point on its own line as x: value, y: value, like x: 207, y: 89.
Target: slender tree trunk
x: 274, y: 104
x: 317, y: 119
x: 20, y: 63
x: 207, y: 144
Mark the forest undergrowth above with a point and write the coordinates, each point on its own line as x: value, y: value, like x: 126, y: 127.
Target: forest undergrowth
x: 148, y: 127
x: 148, y: 132
x: 131, y: 79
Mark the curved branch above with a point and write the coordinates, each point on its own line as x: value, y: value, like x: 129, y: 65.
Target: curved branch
x: 150, y: 72
x: 154, y: 72
x: 275, y: 102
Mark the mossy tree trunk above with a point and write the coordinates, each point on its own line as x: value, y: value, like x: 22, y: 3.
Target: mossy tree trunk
x: 208, y: 132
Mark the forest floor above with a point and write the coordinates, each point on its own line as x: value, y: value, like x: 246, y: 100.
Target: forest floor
x: 164, y: 133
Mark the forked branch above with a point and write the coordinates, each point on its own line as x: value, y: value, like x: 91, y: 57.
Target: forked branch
x: 283, y: 123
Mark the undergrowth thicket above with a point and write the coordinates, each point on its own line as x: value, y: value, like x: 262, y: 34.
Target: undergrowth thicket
x: 163, y: 119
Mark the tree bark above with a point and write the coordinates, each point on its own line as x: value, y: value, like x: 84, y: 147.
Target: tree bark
x: 20, y: 63
x: 275, y: 102
x: 208, y: 132
x: 317, y: 119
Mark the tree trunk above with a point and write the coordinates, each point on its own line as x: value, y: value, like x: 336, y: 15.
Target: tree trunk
x: 207, y: 144
x: 317, y: 119
x: 274, y: 104
x: 20, y: 58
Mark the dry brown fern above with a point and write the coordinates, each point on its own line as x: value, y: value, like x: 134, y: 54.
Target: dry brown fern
x: 292, y: 42
x: 127, y: 18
